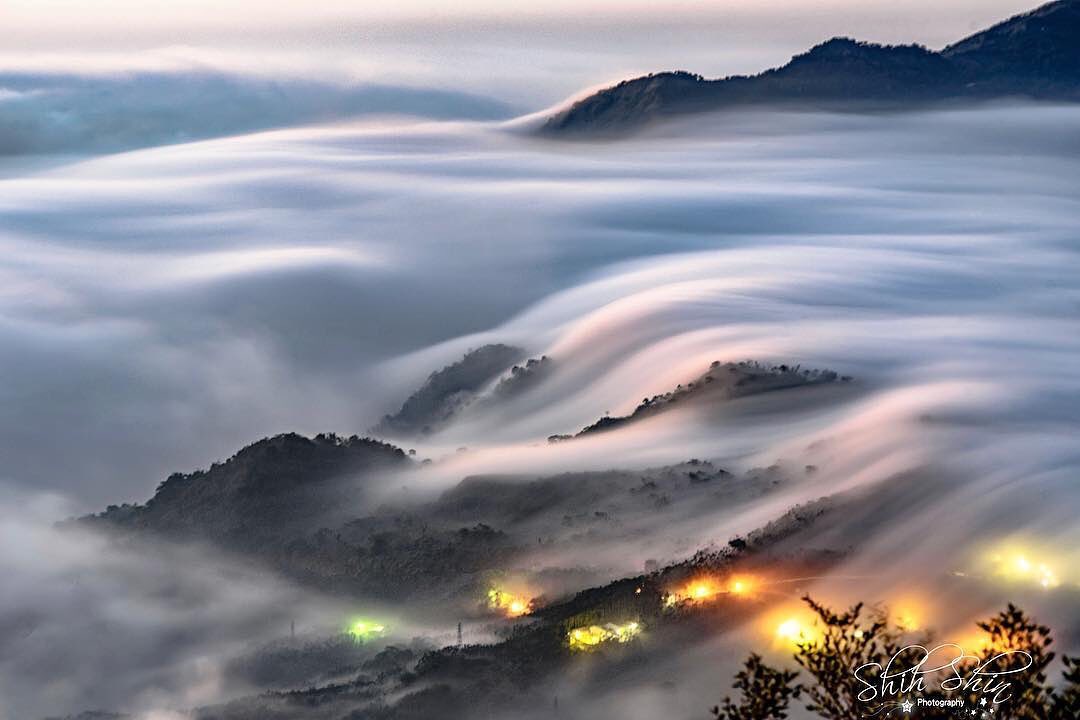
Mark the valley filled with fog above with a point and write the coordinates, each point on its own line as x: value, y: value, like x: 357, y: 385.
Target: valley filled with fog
x: 162, y: 308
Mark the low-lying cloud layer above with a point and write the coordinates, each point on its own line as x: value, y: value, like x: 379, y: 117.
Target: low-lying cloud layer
x: 82, y: 114
x: 86, y: 624
x: 161, y: 308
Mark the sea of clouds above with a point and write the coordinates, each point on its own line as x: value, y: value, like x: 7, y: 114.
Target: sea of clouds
x: 163, y: 307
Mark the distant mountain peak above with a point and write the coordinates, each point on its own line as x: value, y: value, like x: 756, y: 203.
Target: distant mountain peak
x: 1035, y: 55
x: 846, y: 48
x: 842, y: 46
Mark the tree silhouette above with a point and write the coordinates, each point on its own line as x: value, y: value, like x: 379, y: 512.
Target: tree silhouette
x: 1067, y: 703
x: 846, y: 641
x: 1011, y: 629
x: 766, y: 693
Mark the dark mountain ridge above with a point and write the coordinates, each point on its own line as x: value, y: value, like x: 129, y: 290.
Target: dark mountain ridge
x: 1033, y: 56
x: 298, y: 505
x: 304, y: 507
x: 448, y: 391
x: 720, y: 383
x: 1041, y: 49
x: 269, y: 492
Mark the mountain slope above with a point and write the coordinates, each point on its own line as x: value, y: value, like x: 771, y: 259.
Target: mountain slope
x: 1036, y: 55
x: 271, y: 492
x: 512, y: 674
x: 448, y: 391
x: 720, y: 383
x: 298, y: 505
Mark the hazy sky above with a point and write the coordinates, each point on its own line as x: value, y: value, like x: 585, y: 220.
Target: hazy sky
x: 527, y: 52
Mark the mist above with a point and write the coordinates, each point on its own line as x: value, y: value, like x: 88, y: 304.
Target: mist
x: 89, y: 624
x: 310, y: 279
x: 161, y: 308
x: 90, y: 113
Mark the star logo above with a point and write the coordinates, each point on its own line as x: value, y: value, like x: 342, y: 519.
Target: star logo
x: 906, y: 706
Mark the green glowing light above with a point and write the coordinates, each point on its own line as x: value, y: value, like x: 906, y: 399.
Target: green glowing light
x: 363, y: 629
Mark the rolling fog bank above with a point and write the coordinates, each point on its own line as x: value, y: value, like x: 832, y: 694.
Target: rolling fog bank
x: 160, y: 309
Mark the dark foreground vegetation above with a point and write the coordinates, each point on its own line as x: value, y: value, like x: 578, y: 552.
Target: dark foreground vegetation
x: 851, y: 639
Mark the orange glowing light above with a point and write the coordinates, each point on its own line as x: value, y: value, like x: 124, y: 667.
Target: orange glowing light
x: 699, y: 590
x: 907, y: 623
x: 742, y: 586
x: 795, y: 632
x: 975, y: 644
x: 508, y: 604
x: 706, y: 589
x: 792, y: 627
x: 908, y: 614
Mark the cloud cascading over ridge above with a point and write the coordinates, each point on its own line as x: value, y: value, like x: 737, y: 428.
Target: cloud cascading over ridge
x: 161, y: 308
x: 176, y: 303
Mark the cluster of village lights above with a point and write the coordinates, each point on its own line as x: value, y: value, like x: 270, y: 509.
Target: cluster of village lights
x: 587, y: 638
x: 704, y: 589
x: 792, y: 627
